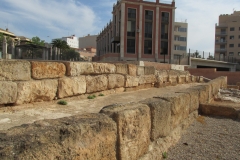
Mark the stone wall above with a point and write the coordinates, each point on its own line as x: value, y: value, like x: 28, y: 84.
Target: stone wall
x: 34, y: 81
x: 131, y: 131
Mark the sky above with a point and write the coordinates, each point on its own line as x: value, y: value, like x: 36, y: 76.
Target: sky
x: 49, y: 19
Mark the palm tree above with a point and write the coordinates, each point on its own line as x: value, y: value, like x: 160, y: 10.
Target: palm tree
x: 60, y: 44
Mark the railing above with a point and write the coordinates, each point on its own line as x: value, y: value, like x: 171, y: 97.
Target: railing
x: 221, y: 41
x: 221, y: 33
x: 220, y: 49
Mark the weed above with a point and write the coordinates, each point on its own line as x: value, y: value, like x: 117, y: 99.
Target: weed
x: 90, y: 97
x: 164, y: 155
x: 101, y: 94
x: 94, y: 96
x: 62, y: 102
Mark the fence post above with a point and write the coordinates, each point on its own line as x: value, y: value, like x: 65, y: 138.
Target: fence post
x: 4, y: 48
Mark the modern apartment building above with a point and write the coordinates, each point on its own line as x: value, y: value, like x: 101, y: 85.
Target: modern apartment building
x: 227, y: 37
x: 88, y: 41
x: 139, y: 30
x: 180, y: 40
x: 72, y: 41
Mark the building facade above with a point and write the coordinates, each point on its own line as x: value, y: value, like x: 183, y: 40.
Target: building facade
x: 139, y: 30
x: 72, y: 41
x: 227, y: 37
x: 88, y: 41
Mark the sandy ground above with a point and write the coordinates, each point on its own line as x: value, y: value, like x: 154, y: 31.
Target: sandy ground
x: 209, y: 138
x: 29, y: 113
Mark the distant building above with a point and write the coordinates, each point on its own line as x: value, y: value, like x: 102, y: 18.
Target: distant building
x: 139, y: 30
x: 227, y: 37
x: 72, y: 41
x: 23, y: 40
x: 180, y: 40
x: 86, y: 41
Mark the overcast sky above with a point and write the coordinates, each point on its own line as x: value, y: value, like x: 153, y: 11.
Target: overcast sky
x: 49, y: 19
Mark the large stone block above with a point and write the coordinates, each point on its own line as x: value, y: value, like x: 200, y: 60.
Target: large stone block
x: 36, y: 91
x: 71, y: 86
x: 43, y: 70
x: 96, y: 83
x: 91, y: 136
x: 140, y: 70
x: 180, y: 106
x: 148, y: 70
x: 205, y: 93
x: 115, y: 81
x: 79, y: 68
x: 131, y: 81
x: 132, y: 70
x: 14, y: 70
x: 121, y: 68
x: 160, y: 117
x: 8, y: 92
x: 146, y: 79
x: 134, y: 124
x: 104, y: 68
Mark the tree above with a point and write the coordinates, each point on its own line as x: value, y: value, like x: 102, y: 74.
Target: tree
x: 37, y: 41
x: 60, y: 44
x: 69, y: 54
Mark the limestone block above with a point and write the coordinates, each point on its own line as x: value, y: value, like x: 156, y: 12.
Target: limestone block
x: 162, y: 76
x: 15, y: 70
x: 71, y: 86
x: 148, y: 70
x: 160, y: 117
x: 132, y: 70
x: 131, y: 81
x: 134, y: 124
x: 90, y: 136
x: 145, y: 79
x: 140, y: 70
x: 8, y: 92
x: 180, y: 106
x: 104, y: 68
x: 36, y: 91
x: 115, y: 81
x: 79, y: 68
x: 121, y: 68
x: 204, y: 93
x: 43, y: 70
x: 193, y: 78
x: 96, y: 83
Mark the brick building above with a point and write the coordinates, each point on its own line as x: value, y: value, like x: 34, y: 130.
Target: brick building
x: 139, y: 30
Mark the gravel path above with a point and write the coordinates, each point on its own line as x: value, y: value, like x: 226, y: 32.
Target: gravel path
x: 209, y: 138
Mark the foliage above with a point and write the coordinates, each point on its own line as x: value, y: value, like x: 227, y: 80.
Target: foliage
x: 101, y: 94
x: 91, y: 97
x: 60, y: 44
x: 70, y: 54
x: 164, y: 155
x: 196, y: 55
x: 37, y: 41
x: 62, y: 102
x: 210, y: 57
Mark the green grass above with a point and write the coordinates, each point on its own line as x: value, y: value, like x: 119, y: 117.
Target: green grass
x: 62, y: 102
x: 164, y: 155
x: 101, y: 94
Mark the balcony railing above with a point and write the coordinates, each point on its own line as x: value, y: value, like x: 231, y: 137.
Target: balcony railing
x: 220, y: 50
x: 221, y: 33
x: 220, y: 41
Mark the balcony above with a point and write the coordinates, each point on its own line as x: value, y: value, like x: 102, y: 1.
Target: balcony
x: 115, y: 39
x: 220, y: 41
x: 221, y: 50
x: 221, y: 34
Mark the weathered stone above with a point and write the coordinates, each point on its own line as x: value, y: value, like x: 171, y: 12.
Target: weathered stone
x: 104, y: 68
x: 172, y: 76
x: 145, y: 79
x: 180, y: 106
x: 160, y: 117
x: 162, y: 76
x: 132, y: 69
x: 8, y: 92
x: 134, y: 124
x: 119, y: 90
x: 96, y: 83
x: 121, y: 68
x: 15, y: 70
x: 143, y: 86
x: 140, y: 70
x: 71, y: 86
x: 131, y: 81
x: 79, y: 68
x: 43, y: 70
x: 148, y: 70
x: 35, y: 91
x: 204, y: 93
x: 91, y: 136
x: 115, y: 81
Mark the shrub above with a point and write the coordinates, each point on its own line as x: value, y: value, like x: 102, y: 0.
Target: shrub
x: 91, y: 97
x: 62, y: 102
x: 101, y: 94
x: 164, y: 155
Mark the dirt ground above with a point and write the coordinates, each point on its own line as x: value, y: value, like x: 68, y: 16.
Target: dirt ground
x: 29, y: 113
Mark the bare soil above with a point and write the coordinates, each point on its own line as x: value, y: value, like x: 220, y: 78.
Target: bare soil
x: 29, y: 113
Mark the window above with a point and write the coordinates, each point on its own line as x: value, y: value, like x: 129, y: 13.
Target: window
x: 148, y: 32
x: 164, y: 48
x: 148, y: 29
x: 180, y: 48
x: 131, y: 13
x: 231, y: 37
x: 148, y: 15
x: 232, y: 29
x: 147, y: 46
x: 130, y: 45
x: 231, y: 45
x: 231, y: 54
x: 164, y: 31
x: 131, y: 27
x: 165, y: 17
x: 180, y: 29
x: 222, y: 46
